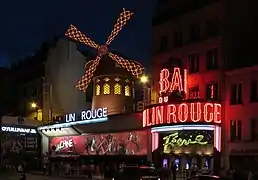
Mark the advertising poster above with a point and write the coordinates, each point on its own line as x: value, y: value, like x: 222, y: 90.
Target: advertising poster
x: 125, y: 143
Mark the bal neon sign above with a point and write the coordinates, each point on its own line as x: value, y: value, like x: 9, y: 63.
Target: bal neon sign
x: 175, y: 140
x: 177, y: 81
x: 182, y: 113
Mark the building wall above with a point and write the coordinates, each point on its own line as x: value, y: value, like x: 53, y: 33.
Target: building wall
x: 200, y: 47
x: 244, y: 112
x: 65, y: 65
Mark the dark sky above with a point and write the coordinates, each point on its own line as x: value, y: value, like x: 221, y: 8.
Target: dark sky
x: 25, y: 24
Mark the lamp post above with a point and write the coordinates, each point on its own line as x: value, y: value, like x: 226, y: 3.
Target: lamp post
x: 146, y: 89
x: 35, y: 107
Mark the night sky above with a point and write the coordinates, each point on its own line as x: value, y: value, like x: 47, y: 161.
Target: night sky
x: 25, y: 24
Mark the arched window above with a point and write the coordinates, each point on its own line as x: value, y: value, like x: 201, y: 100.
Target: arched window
x: 106, y: 88
x: 97, y: 90
x: 117, y: 89
x: 127, y: 90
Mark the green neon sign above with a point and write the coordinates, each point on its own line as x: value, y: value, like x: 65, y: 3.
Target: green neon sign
x: 175, y: 140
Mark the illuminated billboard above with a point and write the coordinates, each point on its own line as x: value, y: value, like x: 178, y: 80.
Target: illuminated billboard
x: 124, y: 143
x: 188, y: 141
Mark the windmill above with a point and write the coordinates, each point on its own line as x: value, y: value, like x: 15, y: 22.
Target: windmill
x: 133, y: 67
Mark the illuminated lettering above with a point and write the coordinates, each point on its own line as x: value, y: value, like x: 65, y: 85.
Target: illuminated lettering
x: 182, y: 113
x: 174, y: 140
x: 217, y: 117
x: 176, y: 83
x: 87, y: 115
x: 18, y: 130
x: 196, y: 113
x: 208, y: 115
x: 171, y: 113
x: 164, y: 83
x: 64, y: 144
x: 159, y: 115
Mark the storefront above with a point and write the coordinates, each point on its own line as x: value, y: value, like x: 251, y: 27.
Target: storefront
x: 92, y: 134
x: 20, y: 143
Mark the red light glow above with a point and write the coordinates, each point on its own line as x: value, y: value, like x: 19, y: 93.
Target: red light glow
x: 176, y: 83
x: 182, y: 113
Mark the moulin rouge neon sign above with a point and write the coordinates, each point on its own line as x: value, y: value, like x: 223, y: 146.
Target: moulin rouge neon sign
x: 182, y: 113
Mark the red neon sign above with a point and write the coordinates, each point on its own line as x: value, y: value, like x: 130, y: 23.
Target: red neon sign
x: 182, y: 113
x: 176, y: 83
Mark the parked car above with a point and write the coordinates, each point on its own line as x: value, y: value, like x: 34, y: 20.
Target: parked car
x: 136, y: 173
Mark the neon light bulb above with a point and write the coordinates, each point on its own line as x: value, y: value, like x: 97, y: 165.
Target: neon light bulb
x: 164, y: 82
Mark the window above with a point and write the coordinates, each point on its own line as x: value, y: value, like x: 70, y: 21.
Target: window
x: 193, y: 63
x: 194, y: 93
x: 97, y: 90
x: 195, y: 32
x: 254, y: 91
x: 127, y: 90
x: 236, y: 94
x: 235, y: 130
x: 106, y: 88
x: 106, y: 79
x: 178, y: 39
x: 163, y: 43
x: 254, y: 127
x: 212, y: 28
x: 117, y: 89
x: 212, y: 59
x: 212, y: 92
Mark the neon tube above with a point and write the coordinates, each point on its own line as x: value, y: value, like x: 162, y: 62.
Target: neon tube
x: 69, y: 124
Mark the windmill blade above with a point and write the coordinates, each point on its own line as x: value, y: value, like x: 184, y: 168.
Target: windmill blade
x: 73, y: 33
x: 135, y: 68
x: 85, y: 80
x: 124, y: 16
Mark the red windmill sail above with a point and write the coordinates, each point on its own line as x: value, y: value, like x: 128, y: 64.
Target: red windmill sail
x: 133, y: 67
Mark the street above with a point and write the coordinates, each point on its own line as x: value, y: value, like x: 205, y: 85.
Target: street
x: 41, y: 177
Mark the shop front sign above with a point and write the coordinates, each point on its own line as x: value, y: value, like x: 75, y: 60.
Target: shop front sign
x: 87, y: 115
x: 18, y: 129
x: 64, y: 144
x: 182, y: 113
x: 175, y: 140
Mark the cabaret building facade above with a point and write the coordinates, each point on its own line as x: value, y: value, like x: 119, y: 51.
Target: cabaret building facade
x: 184, y: 131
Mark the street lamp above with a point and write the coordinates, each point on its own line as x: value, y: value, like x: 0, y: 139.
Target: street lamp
x: 33, y: 105
x: 144, y: 79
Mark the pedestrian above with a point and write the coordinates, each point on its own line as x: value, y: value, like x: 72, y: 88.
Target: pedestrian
x: 250, y: 175
x: 194, y: 170
x: 174, y: 168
